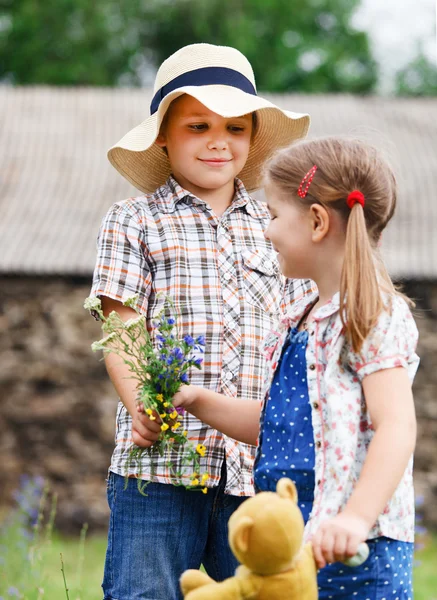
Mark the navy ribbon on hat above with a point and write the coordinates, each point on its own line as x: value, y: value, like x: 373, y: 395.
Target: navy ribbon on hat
x: 204, y: 76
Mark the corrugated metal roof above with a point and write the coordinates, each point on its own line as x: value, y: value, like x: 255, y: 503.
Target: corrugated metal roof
x: 56, y: 183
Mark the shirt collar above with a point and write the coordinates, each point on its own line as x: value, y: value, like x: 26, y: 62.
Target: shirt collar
x: 301, y: 306
x: 171, y: 193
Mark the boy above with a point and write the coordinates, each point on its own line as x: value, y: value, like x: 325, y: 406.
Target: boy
x: 197, y: 236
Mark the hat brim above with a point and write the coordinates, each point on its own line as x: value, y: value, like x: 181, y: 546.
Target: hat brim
x: 144, y: 164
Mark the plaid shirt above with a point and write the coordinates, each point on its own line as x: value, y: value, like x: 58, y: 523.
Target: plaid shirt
x: 223, y: 277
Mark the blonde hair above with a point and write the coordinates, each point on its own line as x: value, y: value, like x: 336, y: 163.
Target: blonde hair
x: 344, y: 165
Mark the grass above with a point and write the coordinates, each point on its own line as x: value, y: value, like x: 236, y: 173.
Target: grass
x: 31, y: 567
x: 425, y: 574
x: 92, y: 568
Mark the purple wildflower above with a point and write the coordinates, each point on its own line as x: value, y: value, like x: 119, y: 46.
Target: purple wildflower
x: 184, y: 377
x: 201, y: 340
x: 198, y: 361
x: 178, y: 354
x: 189, y: 340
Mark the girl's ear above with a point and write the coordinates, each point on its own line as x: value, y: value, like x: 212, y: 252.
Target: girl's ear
x: 320, y: 222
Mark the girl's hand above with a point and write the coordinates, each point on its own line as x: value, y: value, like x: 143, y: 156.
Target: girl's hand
x: 186, y: 396
x: 338, y: 539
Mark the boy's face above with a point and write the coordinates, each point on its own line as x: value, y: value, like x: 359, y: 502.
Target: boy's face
x: 206, y: 151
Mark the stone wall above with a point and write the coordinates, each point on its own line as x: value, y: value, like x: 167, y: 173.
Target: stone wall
x: 58, y: 407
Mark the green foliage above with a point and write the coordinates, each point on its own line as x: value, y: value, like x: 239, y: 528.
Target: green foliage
x: 418, y: 78
x: 68, y: 42
x: 302, y: 46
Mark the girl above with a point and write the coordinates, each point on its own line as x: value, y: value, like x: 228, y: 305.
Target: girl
x: 339, y: 418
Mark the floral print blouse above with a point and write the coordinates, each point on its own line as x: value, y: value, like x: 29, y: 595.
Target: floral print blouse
x: 341, y: 422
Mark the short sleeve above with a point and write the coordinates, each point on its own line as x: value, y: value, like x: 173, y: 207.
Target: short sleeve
x: 392, y: 343
x: 122, y: 268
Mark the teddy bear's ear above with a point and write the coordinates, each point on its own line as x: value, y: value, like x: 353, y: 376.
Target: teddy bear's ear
x: 241, y: 533
x: 286, y: 489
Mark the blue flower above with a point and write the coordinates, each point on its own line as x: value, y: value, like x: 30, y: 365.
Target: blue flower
x: 198, y: 361
x: 189, y: 340
x: 201, y: 340
x: 170, y: 359
x: 171, y: 321
x: 160, y: 338
x: 178, y: 354
x: 12, y: 591
x: 184, y: 378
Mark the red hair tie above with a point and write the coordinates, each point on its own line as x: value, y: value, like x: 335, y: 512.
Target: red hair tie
x: 307, y: 179
x: 354, y: 197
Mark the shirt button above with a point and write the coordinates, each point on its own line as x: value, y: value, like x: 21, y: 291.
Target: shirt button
x: 316, y: 405
x: 312, y: 367
x: 228, y: 375
x: 227, y: 275
x: 319, y: 481
x: 319, y: 444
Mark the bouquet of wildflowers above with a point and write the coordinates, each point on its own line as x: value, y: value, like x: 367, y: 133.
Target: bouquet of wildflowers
x: 160, y: 370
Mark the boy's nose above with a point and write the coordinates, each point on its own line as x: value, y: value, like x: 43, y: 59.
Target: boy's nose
x: 217, y: 144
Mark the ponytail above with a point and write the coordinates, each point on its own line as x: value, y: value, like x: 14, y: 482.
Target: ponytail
x: 360, y: 296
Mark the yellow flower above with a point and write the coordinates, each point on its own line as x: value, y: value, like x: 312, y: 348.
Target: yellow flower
x: 152, y: 418
x: 164, y: 427
x: 149, y: 411
x: 195, y: 482
x: 193, y: 475
x: 185, y: 433
x: 205, y: 490
x: 201, y: 449
x: 173, y: 415
x: 163, y: 415
x: 205, y: 477
x: 166, y: 404
x: 159, y: 397
x: 175, y: 426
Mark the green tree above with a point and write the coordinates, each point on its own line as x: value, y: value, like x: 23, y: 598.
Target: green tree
x: 298, y: 45
x: 293, y: 45
x: 68, y: 42
x: 419, y: 78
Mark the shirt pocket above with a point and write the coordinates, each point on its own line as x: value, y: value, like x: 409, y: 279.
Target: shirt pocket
x: 262, y: 280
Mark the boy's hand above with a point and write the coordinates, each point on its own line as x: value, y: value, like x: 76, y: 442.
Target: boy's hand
x: 338, y: 539
x: 145, y: 432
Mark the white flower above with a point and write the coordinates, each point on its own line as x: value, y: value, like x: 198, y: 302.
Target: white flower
x: 104, y: 342
x: 92, y: 303
x: 132, y: 323
x: 132, y: 301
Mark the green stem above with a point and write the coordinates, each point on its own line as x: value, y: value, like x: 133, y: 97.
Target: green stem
x: 63, y: 575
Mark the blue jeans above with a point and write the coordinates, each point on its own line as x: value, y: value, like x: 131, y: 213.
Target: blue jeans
x: 153, y: 539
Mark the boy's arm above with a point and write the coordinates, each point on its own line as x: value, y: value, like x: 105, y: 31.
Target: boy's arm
x: 236, y: 418
x: 391, y: 407
x: 144, y: 431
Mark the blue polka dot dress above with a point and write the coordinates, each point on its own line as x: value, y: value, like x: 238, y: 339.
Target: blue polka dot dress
x: 286, y: 449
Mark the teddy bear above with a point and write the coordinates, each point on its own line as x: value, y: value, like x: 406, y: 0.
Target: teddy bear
x: 265, y: 535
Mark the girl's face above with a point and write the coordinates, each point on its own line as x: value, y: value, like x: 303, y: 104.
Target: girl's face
x: 206, y: 151
x: 290, y: 231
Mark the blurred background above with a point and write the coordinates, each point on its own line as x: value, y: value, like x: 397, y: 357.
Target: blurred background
x: 75, y: 76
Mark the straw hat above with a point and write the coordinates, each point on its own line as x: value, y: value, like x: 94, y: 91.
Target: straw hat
x: 222, y: 79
